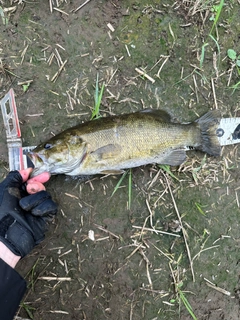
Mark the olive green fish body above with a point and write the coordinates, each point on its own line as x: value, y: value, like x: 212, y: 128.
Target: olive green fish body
x: 111, y: 144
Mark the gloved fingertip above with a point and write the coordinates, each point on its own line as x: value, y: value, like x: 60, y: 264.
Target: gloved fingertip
x: 42, y: 177
x: 25, y: 173
x: 35, y: 187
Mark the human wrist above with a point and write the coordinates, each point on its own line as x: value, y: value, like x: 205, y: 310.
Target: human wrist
x: 8, y: 256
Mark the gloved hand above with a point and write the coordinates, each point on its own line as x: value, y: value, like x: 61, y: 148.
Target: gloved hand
x: 23, y: 217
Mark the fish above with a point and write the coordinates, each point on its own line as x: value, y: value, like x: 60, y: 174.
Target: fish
x: 109, y: 145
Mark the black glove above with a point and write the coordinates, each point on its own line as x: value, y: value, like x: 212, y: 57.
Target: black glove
x: 23, y: 217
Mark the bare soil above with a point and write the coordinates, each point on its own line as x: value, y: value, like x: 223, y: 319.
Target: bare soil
x: 130, y: 271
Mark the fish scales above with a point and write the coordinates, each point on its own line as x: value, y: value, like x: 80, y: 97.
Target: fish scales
x: 111, y: 144
x: 132, y: 136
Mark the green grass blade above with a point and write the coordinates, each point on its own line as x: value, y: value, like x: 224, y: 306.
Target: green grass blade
x: 212, y: 37
x: 217, y: 16
x: 167, y: 169
x: 28, y: 309
x: 97, y: 100
x: 186, y: 304
x: 119, y: 182
x: 199, y: 207
x: 96, y: 90
x: 100, y: 96
x: 235, y: 87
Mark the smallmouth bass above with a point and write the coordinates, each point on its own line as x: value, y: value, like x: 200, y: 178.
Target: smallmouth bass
x: 109, y: 145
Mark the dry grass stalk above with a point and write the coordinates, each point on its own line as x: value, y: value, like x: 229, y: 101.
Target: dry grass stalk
x: 58, y: 311
x: 213, y: 286
x: 134, y: 251
x: 128, y: 52
x: 61, y: 11
x: 24, y: 53
x: 143, y: 73
x: 156, y: 231
x: 107, y: 231
x: 102, y: 239
x: 202, y: 250
x: 67, y: 252
x: 166, y: 255
x: 55, y: 278
x: 50, y: 6
x: 81, y: 6
x: 54, y: 78
x: 58, y: 57
x: 71, y: 195
x: 151, y: 214
x: 148, y: 264
x: 196, y: 88
x: 160, y: 69
x: 214, y: 93
x: 183, y: 229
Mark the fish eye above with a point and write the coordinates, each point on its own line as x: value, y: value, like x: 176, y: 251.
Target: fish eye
x: 48, y: 146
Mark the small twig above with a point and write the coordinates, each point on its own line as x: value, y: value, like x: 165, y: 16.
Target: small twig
x: 107, y: 231
x: 151, y: 214
x: 147, y: 267
x: 143, y: 73
x: 58, y: 311
x: 61, y: 11
x: 160, y: 69
x: 214, y: 94
x: 230, y: 75
x: 109, y: 25
x: 54, y: 78
x: 67, y: 252
x: 164, y: 254
x: 173, y: 276
x: 161, y: 292
x: 183, y: 229
x: 71, y: 195
x: 213, y: 286
x: 128, y: 52
x: 237, y: 198
x: 196, y: 88
x: 134, y: 251
x: 58, y: 57
x: 157, y: 231
x: 82, y: 5
x: 50, y: 6
x: 55, y: 278
x: 78, y: 258
x: 198, y: 254
x: 23, y: 53
x: 24, y: 82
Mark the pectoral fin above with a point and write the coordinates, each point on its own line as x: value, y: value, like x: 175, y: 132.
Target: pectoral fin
x: 107, y: 152
x: 175, y: 158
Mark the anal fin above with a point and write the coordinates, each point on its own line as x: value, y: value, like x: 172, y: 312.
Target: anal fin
x: 112, y: 172
x: 175, y: 157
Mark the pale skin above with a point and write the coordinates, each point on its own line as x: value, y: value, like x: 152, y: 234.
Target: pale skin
x: 33, y: 185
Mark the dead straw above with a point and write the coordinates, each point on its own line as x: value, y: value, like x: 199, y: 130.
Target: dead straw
x: 81, y: 6
x: 54, y: 78
x: 183, y: 229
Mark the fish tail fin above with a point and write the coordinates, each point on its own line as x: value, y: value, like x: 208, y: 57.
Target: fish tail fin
x: 208, y: 124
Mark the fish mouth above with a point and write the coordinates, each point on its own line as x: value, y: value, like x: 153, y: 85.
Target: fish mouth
x: 36, y: 158
x: 39, y: 163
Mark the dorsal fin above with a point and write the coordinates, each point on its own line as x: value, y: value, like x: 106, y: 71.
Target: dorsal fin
x: 161, y: 114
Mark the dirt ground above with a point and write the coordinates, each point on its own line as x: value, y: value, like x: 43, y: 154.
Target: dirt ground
x: 166, y: 243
